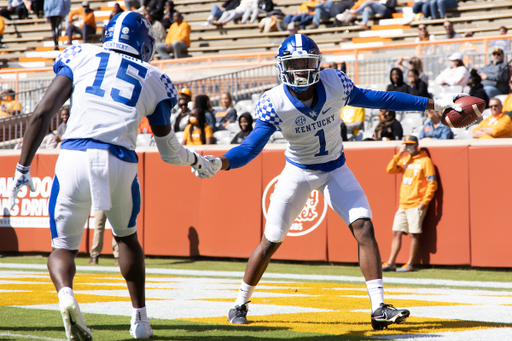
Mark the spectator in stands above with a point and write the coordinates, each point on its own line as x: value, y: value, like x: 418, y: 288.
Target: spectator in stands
x: 145, y: 127
x: 236, y: 13
x: 322, y: 12
x: 86, y: 15
x: 9, y: 106
x: 450, y: 31
x: 337, y: 11
x: 442, y: 6
x: 353, y: 117
x: 168, y: 14
x: 14, y: 6
x: 156, y: 9
x: 507, y: 104
x: 343, y: 67
x: 456, y: 74
x: 217, y: 12
x: 503, y: 44
x: 203, y: 102
x: 270, y: 22
x: 495, y: 126
x: 131, y: 4
x: 303, y: 15
x: 371, y: 7
x: 158, y: 28
x: 417, y: 87
x: 115, y: 11
x: 180, y: 120
x: 419, y: 185
x: 423, y: 7
x: 197, y: 132
x: 2, y: 29
x: 100, y: 220
x: 477, y: 88
x: 257, y: 7
x: 424, y: 35
x: 227, y: 114
x: 343, y: 132
x: 64, y: 117
x: 414, y: 63
x: 397, y: 81
x: 433, y: 129
x: 389, y: 128
x: 50, y: 140
x: 55, y: 11
x: 37, y: 7
x: 495, y: 75
x: 245, y: 122
x: 177, y: 40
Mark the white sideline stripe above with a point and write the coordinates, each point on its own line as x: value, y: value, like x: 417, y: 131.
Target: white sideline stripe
x: 30, y: 336
x: 471, y: 335
x: 177, y: 272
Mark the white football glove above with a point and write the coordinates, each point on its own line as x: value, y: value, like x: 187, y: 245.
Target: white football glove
x: 21, y: 178
x: 206, y: 167
x: 448, y: 101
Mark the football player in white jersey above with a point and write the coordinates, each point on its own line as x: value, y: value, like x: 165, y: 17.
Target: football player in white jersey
x: 111, y: 88
x: 305, y: 108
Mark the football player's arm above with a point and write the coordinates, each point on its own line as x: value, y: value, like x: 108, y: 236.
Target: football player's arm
x: 170, y: 148
x: 253, y: 145
x: 373, y: 99
x: 57, y: 94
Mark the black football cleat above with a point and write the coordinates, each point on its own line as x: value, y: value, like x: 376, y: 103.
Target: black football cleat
x: 386, y: 315
x: 237, y: 315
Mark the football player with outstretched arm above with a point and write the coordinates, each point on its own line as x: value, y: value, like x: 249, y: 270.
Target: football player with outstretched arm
x: 111, y: 89
x: 305, y: 108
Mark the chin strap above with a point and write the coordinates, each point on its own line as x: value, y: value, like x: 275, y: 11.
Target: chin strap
x: 300, y: 89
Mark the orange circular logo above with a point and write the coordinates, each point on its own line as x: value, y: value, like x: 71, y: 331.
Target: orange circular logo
x: 308, y: 219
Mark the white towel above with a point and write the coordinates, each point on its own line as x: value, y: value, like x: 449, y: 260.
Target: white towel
x: 99, y: 179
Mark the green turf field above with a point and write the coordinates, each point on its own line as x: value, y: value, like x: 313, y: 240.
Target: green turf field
x: 189, y: 300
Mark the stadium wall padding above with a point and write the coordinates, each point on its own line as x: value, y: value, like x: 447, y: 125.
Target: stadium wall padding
x: 468, y: 221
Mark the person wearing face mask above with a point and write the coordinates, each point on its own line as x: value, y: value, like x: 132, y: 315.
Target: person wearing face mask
x: 417, y: 87
x: 388, y: 128
x: 197, y: 132
x: 396, y: 76
x: 476, y: 88
x: 433, y: 129
x: 180, y: 120
x: 419, y: 184
x: 245, y: 123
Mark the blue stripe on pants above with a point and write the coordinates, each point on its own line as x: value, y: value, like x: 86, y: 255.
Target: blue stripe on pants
x: 51, y: 208
x: 136, y: 202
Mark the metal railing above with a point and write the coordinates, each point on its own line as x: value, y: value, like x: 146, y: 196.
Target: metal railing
x: 241, y: 84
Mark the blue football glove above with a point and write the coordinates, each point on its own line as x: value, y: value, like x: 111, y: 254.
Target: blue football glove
x: 21, y: 178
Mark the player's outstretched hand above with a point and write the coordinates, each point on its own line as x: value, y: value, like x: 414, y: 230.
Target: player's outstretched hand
x: 448, y: 101
x: 21, y: 178
x: 207, y: 166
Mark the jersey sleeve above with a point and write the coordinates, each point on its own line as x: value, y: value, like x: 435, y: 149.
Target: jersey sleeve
x: 166, y: 98
x: 69, y: 60
x: 266, y: 112
x: 346, y: 84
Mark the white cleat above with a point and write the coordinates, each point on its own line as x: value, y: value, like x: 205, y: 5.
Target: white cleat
x: 76, y: 329
x: 141, y: 330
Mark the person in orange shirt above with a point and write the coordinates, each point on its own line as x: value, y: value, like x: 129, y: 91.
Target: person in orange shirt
x: 496, y: 126
x: 197, y: 132
x: 87, y: 22
x: 9, y: 106
x: 177, y: 40
x: 144, y: 127
x: 419, y: 184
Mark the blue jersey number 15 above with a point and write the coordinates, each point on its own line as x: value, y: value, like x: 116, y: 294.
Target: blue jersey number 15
x: 122, y: 74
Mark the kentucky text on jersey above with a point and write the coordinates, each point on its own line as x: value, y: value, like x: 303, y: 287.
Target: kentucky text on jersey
x: 315, y: 125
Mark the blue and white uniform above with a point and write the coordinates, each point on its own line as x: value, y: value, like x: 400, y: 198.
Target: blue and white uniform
x: 97, y: 166
x: 315, y: 157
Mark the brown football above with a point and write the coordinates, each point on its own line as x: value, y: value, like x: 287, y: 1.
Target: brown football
x: 472, y: 108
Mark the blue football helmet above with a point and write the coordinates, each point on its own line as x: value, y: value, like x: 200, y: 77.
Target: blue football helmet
x: 299, y: 53
x: 130, y: 32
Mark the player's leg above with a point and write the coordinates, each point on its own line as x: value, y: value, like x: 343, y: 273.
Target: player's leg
x: 289, y: 197
x: 69, y: 209
x: 346, y: 197
x: 125, y: 195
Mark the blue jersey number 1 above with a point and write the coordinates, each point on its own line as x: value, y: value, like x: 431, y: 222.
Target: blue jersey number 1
x: 321, y: 139
x: 123, y: 75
